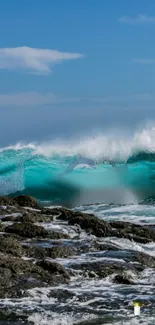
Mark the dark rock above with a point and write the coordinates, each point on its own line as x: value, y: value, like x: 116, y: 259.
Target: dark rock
x: 101, y: 269
x: 9, y: 210
x: 63, y: 213
x: 7, y: 289
x: 50, y: 212
x: 62, y: 295
x: 22, y: 200
x: 12, y: 236
x: 2, y: 227
x: 60, y: 251
x: 103, y: 247
x: 26, y: 201
x: 9, y: 218
x: 27, y: 218
x: 138, y: 260
x: 30, y: 216
x: 53, y: 252
x: 57, y: 235
x: 124, y: 278
x: 10, y: 245
x: 5, y: 201
x: 91, y: 224
x: 45, y: 217
x: 143, y: 259
x: 35, y: 252
x: 18, y: 275
x: 28, y: 230
x: 138, y: 233
x: 53, y: 267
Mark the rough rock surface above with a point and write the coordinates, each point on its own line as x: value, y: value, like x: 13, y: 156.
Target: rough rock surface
x: 30, y: 255
x: 27, y: 229
x: 138, y: 233
x: 53, y: 252
x: 18, y: 275
x: 22, y: 200
x: 11, y: 246
x: 91, y: 224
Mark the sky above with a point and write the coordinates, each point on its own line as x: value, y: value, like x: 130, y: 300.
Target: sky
x: 70, y: 67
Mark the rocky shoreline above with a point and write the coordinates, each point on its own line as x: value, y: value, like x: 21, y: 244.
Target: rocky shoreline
x: 31, y: 253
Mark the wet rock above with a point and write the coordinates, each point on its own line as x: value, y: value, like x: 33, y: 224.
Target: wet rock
x: 125, y: 277
x: 11, y: 218
x: 28, y: 216
x: 104, y: 247
x: 5, y: 201
x: 15, y: 236
x: 101, y: 269
x: 138, y: 233
x: 60, y: 251
x: 2, y: 227
x: 50, y: 212
x: 53, y: 252
x: 26, y: 229
x: 91, y: 224
x: 26, y: 201
x: 143, y: 259
x: 22, y: 200
x: 18, y: 275
x: 53, y: 267
x: 10, y: 245
x: 35, y: 252
x: 7, y: 290
x: 9, y: 210
x: 57, y: 235
x: 62, y: 295
x: 63, y: 213
x: 45, y: 217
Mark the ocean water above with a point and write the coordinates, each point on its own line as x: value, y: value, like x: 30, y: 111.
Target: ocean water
x: 106, y: 169
x: 110, y: 176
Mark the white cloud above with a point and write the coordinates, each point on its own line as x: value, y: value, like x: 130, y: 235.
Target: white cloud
x: 144, y: 61
x: 32, y: 59
x: 139, y: 19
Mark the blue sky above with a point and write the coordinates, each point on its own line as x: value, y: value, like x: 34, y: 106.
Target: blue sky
x: 68, y: 67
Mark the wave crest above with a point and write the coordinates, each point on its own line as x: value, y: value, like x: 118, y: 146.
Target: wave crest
x: 124, y: 163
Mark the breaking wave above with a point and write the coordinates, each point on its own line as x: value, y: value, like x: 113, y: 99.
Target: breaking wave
x: 102, y: 168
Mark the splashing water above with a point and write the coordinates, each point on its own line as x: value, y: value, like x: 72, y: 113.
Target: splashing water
x: 101, y: 168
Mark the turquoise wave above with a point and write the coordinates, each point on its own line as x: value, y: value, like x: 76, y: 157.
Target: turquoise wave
x: 59, y: 178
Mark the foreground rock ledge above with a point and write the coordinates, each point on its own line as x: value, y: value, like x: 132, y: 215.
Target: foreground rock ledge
x: 18, y: 243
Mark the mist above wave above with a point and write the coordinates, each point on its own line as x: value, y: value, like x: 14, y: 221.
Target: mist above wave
x: 101, y: 146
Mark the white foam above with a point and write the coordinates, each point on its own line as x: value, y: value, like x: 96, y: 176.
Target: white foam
x: 124, y: 243
x: 110, y: 146
x: 58, y: 319
x: 143, y: 319
x: 83, y: 258
x: 137, y: 214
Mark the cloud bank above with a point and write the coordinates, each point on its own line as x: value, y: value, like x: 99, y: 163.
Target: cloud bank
x: 139, y: 19
x: 33, y: 59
